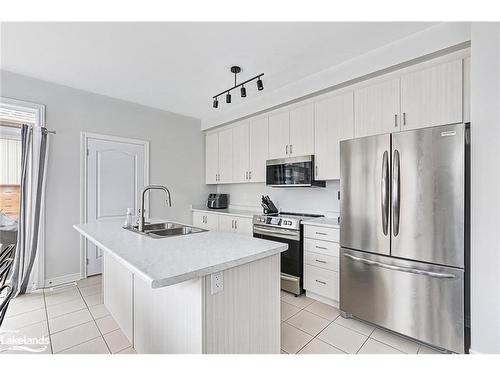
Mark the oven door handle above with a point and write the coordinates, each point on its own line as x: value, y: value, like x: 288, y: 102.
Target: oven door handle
x: 276, y: 232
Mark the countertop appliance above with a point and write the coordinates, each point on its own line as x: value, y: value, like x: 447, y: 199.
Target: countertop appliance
x: 292, y: 172
x: 404, y: 233
x: 286, y: 227
x: 217, y: 201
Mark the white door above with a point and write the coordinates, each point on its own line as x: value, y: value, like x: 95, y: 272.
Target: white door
x: 226, y: 156
x: 258, y: 134
x: 211, y: 158
x: 377, y: 109
x: 115, y: 179
x: 432, y: 96
x: 333, y: 122
x: 279, y: 135
x: 301, y: 131
x: 240, y: 153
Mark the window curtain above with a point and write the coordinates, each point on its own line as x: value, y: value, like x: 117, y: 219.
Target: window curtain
x: 33, y: 166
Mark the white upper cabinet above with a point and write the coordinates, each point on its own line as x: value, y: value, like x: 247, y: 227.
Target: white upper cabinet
x: 333, y: 122
x: 279, y: 135
x: 377, y: 108
x: 301, y: 131
x: 258, y: 134
x: 432, y: 96
x: 241, y: 152
x: 226, y: 156
x: 211, y: 158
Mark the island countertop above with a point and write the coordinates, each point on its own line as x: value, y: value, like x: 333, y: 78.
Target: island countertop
x: 168, y: 261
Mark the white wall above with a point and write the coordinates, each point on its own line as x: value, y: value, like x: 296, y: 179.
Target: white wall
x: 485, y: 189
x: 176, y: 157
x: 305, y: 200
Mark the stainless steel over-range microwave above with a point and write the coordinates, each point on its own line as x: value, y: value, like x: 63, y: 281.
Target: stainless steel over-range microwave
x: 292, y: 172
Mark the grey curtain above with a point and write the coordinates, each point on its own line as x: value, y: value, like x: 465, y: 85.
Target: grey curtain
x: 33, y: 161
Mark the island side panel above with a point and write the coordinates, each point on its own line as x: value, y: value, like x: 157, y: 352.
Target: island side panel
x: 118, y: 294
x: 168, y: 320
x: 245, y: 316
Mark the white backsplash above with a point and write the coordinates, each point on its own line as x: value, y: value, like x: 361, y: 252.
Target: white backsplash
x: 307, y: 200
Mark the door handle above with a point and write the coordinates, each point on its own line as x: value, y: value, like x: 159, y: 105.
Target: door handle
x: 396, y: 198
x: 385, y: 193
x: 416, y: 271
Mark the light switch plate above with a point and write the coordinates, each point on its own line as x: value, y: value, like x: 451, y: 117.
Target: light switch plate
x: 216, y: 282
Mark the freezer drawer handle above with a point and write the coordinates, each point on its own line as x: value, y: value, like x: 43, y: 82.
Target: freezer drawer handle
x: 385, y: 193
x: 402, y: 269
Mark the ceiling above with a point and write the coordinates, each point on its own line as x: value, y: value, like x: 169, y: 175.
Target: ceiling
x: 178, y: 67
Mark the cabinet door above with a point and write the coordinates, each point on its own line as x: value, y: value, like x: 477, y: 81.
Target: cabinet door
x: 333, y: 122
x: 432, y: 96
x: 226, y: 223
x: 377, y: 108
x: 211, y: 158
x: 241, y: 154
x: 212, y: 222
x: 199, y: 219
x: 258, y: 133
x: 244, y: 225
x: 279, y: 135
x: 302, y: 131
x: 226, y: 156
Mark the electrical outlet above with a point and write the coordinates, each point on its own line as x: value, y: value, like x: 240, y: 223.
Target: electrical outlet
x: 216, y: 282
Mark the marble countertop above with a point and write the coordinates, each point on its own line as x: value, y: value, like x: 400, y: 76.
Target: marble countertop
x: 226, y: 211
x: 331, y: 222
x: 168, y: 261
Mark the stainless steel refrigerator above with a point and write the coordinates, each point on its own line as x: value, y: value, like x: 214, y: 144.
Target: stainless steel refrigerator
x: 404, y: 233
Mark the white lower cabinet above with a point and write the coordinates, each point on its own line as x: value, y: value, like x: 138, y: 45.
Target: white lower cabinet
x: 223, y: 222
x: 321, y: 263
x: 206, y: 220
x: 118, y: 294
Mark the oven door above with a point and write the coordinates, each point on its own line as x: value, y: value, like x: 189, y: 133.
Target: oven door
x: 290, y: 172
x: 292, y: 260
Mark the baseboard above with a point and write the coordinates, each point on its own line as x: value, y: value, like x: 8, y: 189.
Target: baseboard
x: 62, y: 280
x: 319, y: 298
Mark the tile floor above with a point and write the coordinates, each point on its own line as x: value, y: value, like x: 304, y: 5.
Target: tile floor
x: 71, y: 319
x: 74, y: 320
x: 312, y: 327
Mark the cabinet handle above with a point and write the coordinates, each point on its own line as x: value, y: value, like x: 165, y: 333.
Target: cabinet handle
x: 320, y: 261
x: 322, y: 233
x: 404, y: 118
x: 291, y: 150
x: 316, y: 169
x: 396, y: 120
x: 286, y: 149
x: 320, y: 282
x: 250, y: 175
x: 232, y: 224
x: 321, y: 247
x: 246, y: 175
x: 236, y: 224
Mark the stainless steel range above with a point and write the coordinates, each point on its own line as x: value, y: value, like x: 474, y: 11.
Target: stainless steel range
x: 286, y: 227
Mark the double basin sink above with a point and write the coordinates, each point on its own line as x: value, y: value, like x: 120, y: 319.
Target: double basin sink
x: 167, y: 229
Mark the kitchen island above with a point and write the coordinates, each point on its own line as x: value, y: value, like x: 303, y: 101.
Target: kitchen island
x: 208, y: 292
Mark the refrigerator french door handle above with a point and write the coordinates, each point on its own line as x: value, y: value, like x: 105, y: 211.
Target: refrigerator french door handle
x: 395, y: 193
x: 385, y: 193
x: 402, y: 269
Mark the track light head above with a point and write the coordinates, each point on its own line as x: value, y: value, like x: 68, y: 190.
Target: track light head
x: 260, y: 85
x: 243, y: 92
x: 228, y: 97
x: 216, y: 103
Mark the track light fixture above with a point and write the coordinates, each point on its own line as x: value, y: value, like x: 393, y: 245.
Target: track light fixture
x: 235, y: 70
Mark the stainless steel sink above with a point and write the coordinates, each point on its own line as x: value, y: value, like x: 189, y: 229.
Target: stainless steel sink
x: 167, y: 229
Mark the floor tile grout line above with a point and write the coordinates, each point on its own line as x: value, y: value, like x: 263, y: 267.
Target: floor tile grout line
x: 93, y: 319
x: 390, y: 346
x: 327, y: 343
x: 401, y: 337
x: 80, y: 343
x: 363, y: 344
x: 48, y: 327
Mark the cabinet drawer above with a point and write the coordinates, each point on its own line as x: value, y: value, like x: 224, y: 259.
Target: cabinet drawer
x: 321, y: 233
x: 321, y: 247
x: 322, y: 261
x: 320, y: 281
